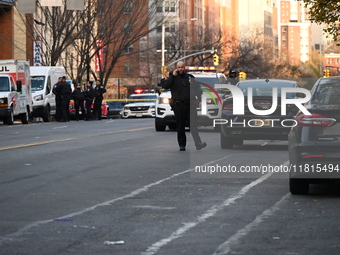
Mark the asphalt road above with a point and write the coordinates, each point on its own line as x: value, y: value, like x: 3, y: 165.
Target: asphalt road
x: 119, y: 187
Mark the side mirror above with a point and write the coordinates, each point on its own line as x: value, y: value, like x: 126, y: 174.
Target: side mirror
x: 19, y: 85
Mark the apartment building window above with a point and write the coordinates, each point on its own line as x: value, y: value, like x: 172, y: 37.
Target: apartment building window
x: 101, y: 7
x: 159, y: 5
x: 159, y: 28
x: 170, y: 27
x: 284, y: 29
x: 127, y: 6
x: 327, y: 61
x: 101, y: 28
x: 128, y: 68
x: 127, y: 28
x: 169, y: 6
x: 284, y: 38
x: 128, y: 50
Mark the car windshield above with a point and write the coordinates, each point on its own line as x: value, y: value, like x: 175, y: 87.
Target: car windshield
x: 4, y: 84
x: 263, y: 88
x: 327, y: 93
x: 143, y: 98
x: 37, y: 83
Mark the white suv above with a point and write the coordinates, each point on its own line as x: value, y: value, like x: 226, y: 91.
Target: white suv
x: 165, y: 116
x: 143, y: 106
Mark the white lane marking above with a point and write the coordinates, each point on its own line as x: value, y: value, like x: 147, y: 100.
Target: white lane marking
x: 234, y: 239
x: 134, y: 193
x: 208, y: 214
x: 60, y: 127
x: 153, y: 207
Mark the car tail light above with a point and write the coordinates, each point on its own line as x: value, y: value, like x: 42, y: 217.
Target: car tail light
x: 314, y: 120
x: 313, y: 156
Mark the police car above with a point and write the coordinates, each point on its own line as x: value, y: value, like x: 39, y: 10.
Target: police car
x: 143, y: 105
x: 207, y: 80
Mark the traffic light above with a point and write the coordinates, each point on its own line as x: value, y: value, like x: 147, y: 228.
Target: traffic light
x: 242, y: 76
x: 326, y: 73
x: 163, y: 71
x: 216, y: 59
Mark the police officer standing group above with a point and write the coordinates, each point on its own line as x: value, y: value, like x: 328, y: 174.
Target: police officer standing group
x: 63, y: 91
x: 64, y: 94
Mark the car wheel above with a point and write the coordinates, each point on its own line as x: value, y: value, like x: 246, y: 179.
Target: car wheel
x: 24, y: 118
x: 47, y: 114
x: 159, y: 127
x: 226, y: 142
x: 217, y: 128
x: 10, y: 118
x: 238, y: 141
x: 298, y: 186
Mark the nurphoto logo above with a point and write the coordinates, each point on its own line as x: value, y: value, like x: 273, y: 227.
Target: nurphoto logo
x: 238, y: 103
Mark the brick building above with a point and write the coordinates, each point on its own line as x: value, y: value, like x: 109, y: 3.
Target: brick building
x: 15, y: 38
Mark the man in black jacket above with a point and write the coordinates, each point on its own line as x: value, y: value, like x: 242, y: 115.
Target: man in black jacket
x: 89, y: 94
x: 57, y: 100
x: 78, y: 98
x: 99, y: 90
x: 185, y: 97
x: 64, y: 90
x: 232, y: 77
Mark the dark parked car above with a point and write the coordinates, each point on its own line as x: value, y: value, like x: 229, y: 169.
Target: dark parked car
x: 115, y: 108
x: 235, y: 128
x: 314, y: 144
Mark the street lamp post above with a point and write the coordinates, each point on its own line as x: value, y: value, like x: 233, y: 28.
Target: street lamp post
x: 163, y: 44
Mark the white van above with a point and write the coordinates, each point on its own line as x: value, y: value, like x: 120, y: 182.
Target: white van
x: 15, y: 91
x: 42, y: 79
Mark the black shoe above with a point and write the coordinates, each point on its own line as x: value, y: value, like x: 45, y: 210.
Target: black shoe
x: 201, y: 146
x: 181, y: 148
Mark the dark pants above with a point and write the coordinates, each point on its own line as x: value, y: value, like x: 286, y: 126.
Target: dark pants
x: 58, y: 108
x: 89, y: 114
x: 65, y: 112
x: 97, y: 108
x: 79, y: 104
x: 186, y: 114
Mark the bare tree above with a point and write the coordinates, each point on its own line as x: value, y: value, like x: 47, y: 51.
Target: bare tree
x: 122, y: 28
x: 103, y: 34
x: 179, y: 44
x: 54, y: 27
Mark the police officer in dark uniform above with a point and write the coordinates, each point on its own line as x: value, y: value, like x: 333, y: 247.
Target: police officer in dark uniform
x: 185, y: 97
x: 57, y: 100
x: 64, y: 90
x: 78, y: 98
x: 99, y: 90
x: 232, y: 77
x: 89, y: 95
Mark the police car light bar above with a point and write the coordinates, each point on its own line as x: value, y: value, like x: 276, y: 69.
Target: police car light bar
x: 201, y: 68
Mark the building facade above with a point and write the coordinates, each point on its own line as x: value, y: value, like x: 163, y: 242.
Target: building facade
x: 15, y: 32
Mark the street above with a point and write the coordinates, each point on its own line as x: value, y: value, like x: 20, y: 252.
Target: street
x: 117, y: 186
